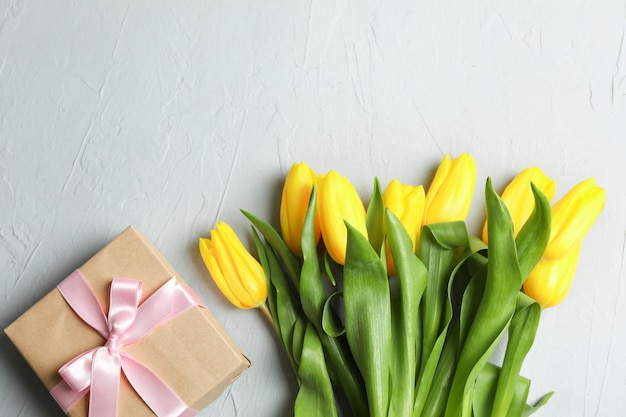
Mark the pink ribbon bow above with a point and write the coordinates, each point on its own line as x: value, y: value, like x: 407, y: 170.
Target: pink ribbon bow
x: 98, y: 370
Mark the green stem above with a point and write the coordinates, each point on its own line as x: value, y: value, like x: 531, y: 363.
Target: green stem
x: 266, y: 312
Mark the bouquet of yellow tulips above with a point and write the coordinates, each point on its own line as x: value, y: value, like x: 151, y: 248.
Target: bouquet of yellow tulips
x: 395, y: 305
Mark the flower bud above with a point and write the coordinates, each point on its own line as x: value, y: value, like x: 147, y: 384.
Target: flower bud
x: 550, y: 280
x: 407, y: 203
x: 450, y: 194
x: 235, y: 271
x: 518, y: 196
x: 338, y: 202
x: 294, y: 204
x: 572, y: 217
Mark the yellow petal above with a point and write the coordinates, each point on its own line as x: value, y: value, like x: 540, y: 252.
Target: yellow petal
x: 573, y: 215
x: 249, y: 272
x: 450, y: 194
x: 518, y: 196
x: 228, y: 266
x: 216, y: 273
x: 407, y: 203
x: 235, y: 271
x: 440, y: 176
x: 551, y: 279
x: 338, y: 202
x: 294, y: 204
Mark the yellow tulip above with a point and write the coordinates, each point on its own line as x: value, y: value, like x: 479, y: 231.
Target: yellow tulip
x: 294, y: 204
x: 236, y: 272
x: 407, y: 203
x: 338, y: 201
x: 550, y: 280
x: 518, y: 196
x: 450, y: 194
x: 572, y: 217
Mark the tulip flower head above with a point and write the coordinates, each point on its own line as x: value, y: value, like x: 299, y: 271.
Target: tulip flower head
x: 518, y: 196
x: 294, y: 204
x: 338, y: 202
x: 550, y: 281
x: 450, y: 194
x: 407, y: 203
x: 235, y: 271
x: 572, y: 217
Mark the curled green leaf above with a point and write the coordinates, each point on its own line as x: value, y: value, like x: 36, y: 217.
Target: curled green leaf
x: 331, y: 322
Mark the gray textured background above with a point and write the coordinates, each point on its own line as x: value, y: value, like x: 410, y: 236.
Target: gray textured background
x: 171, y: 115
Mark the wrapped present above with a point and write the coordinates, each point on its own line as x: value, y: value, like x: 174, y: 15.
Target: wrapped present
x: 124, y: 336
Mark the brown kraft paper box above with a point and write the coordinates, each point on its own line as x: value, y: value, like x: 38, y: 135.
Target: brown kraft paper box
x: 191, y: 353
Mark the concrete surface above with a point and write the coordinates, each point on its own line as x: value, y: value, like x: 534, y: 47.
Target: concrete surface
x: 172, y: 115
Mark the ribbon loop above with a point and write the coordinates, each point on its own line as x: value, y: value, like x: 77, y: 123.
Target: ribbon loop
x: 98, y: 370
x: 77, y: 372
x: 80, y: 297
x: 125, y: 296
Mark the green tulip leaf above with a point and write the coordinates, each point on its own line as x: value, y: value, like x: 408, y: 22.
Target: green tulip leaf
x: 484, y: 395
x: 532, y: 239
x: 476, y: 244
x: 496, y: 308
x: 368, y: 318
x: 341, y: 366
x: 523, y: 301
x: 472, y: 296
x: 437, y: 364
x: 438, y: 246
x: 484, y: 391
x: 459, y: 288
x: 315, y: 397
x: 297, y: 342
x: 287, y: 306
x: 374, y: 219
x: 311, y: 289
x: 271, y: 290
x: 521, y: 388
x: 449, y: 235
x: 331, y: 322
x: 439, y: 249
x: 275, y: 241
x: 328, y: 268
x: 412, y: 276
x: 441, y: 381
x: 531, y: 409
x: 522, y: 332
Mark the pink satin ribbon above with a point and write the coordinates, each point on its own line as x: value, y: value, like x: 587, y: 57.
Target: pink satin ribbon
x: 97, y: 371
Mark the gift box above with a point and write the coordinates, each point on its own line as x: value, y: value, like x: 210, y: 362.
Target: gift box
x: 187, y: 352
